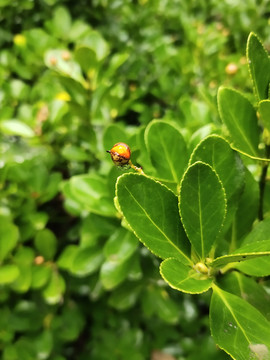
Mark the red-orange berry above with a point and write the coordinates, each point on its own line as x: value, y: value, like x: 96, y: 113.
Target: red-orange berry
x: 120, y: 154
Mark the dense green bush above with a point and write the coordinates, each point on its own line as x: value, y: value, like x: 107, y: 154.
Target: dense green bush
x: 76, y: 78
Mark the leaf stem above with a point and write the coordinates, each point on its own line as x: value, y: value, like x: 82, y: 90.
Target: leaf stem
x: 262, y: 182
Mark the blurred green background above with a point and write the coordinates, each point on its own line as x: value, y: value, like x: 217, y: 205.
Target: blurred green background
x: 75, y: 78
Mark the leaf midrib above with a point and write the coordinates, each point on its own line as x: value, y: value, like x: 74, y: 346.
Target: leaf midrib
x: 216, y: 288
x: 158, y: 228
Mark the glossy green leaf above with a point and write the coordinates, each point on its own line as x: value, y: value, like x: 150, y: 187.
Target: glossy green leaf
x: 238, y: 328
x: 151, y: 211
x: 46, y: 243
x: 9, y: 235
x: 40, y: 276
x: 121, y: 245
x: 86, y: 261
x: 114, y: 272
x: 264, y: 110
x: 16, y: 127
x: 248, y: 207
x: 53, y: 292
x: 202, y: 206
x: 92, y: 192
x: 239, y: 116
x: 184, y: 278
x: 248, y: 289
x: 167, y: 150
x: 8, y: 273
x: 67, y: 257
x: 245, y: 252
x: 258, y: 266
x: 23, y: 281
x: 216, y: 151
x: 259, y: 66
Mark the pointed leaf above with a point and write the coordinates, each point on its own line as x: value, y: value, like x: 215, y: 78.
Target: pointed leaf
x: 202, y: 206
x: 183, y: 278
x: 239, y: 116
x: 245, y: 252
x: 167, y: 149
x: 216, y: 151
x: 238, y: 328
x: 259, y: 66
x: 152, y: 213
x: 264, y: 110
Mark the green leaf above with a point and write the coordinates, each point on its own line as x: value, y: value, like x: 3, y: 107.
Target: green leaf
x: 264, y: 110
x: 167, y: 149
x: 151, y: 211
x: 67, y: 257
x: 202, y: 206
x: 9, y: 235
x: 53, y: 292
x: 40, y: 276
x: 86, y: 261
x: 245, y: 252
x: 216, y: 152
x: 114, y: 133
x: 92, y: 192
x: 8, y: 274
x: 158, y: 302
x: 238, y: 328
x: 248, y: 207
x: 184, y: 278
x: 61, y: 22
x: 259, y: 266
x: 239, y: 116
x: 86, y: 57
x: 259, y: 66
x: 121, y: 245
x: 96, y: 42
x: 125, y: 296
x: 74, y: 153
x: 248, y: 289
x: 46, y: 243
x: 16, y: 127
x: 113, y: 272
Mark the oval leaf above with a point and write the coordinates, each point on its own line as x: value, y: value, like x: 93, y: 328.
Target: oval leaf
x: 167, y: 149
x: 184, y: 278
x: 259, y: 66
x: 239, y: 116
x: 238, y: 328
x: 202, y: 206
x: 9, y: 235
x: 216, y: 151
x: 151, y: 211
